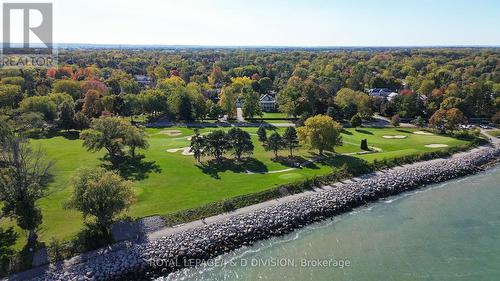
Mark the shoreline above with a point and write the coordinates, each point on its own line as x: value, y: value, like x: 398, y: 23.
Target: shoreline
x: 187, y: 245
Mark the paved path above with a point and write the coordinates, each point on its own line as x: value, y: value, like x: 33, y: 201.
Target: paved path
x: 492, y: 139
x: 239, y: 115
x: 210, y: 220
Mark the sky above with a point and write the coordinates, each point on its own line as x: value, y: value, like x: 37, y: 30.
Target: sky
x: 278, y: 22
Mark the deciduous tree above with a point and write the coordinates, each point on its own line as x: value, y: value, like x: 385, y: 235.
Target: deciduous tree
x: 320, y: 132
x: 24, y: 174
x: 216, y: 144
x: 240, y: 141
x: 101, y: 194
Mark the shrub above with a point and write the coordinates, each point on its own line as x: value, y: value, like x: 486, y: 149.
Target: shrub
x: 364, y: 144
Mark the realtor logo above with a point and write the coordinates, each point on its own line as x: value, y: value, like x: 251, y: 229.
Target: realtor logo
x: 27, y: 35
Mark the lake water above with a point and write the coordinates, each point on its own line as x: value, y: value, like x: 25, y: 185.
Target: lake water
x: 449, y: 231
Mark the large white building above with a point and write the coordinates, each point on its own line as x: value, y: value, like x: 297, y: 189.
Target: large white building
x: 268, y: 103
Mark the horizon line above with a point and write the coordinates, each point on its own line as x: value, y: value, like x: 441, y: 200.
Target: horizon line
x: 208, y: 46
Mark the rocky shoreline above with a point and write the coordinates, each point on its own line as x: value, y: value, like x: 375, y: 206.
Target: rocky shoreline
x: 188, y: 248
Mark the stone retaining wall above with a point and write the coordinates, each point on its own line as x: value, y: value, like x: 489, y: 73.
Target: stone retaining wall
x: 159, y: 257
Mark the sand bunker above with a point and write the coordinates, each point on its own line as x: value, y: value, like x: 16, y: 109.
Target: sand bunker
x: 423, y: 133
x: 395, y: 137
x: 436, y: 145
x: 171, y: 133
x: 185, y: 150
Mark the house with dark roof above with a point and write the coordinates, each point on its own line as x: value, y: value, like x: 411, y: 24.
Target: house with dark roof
x: 144, y: 81
x: 268, y: 103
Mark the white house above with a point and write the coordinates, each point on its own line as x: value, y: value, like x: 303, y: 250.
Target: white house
x: 268, y: 103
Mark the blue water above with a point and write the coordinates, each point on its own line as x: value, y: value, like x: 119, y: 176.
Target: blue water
x: 449, y: 231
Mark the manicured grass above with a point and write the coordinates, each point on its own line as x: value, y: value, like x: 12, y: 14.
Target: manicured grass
x: 170, y: 182
x: 267, y: 115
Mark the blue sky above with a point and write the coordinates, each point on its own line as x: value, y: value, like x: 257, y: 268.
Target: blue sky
x: 279, y: 22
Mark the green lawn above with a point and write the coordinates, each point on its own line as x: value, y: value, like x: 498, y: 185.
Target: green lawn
x: 267, y: 115
x: 171, y: 182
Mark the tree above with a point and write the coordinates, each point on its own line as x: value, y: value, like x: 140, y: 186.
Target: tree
x: 496, y: 118
x: 101, y: 194
x: 216, y: 76
x: 261, y: 133
x: 227, y: 101
x: 418, y: 121
x: 426, y: 87
x: 216, y: 143
x: 10, y: 96
x: 265, y: 85
x: 438, y: 120
x: 66, y: 115
x: 346, y: 98
x: 356, y: 121
x: 454, y: 118
x: 240, y: 141
x: 291, y: 99
x: 24, y: 175
x: 8, y: 239
x: 320, y: 132
x: 349, y: 110
x: 135, y: 138
x: 70, y: 87
x: 59, y: 98
x: 181, y: 105
x: 335, y: 112
x: 251, y: 103
x: 395, y: 120
x: 290, y: 139
x: 113, y: 134
x: 274, y: 143
x: 92, y: 104
x: 364, y: 144
x: 95, y: 84
x: 153, y: 101
x: 40, y: 104
x: 197, y: 144
x: 81, y: 121
x: 410, y: 106
x: 447, y: 120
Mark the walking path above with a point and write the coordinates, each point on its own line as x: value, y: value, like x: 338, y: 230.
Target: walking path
x: 39, y: 271
x: 214, y: 219
x: 239, y: 115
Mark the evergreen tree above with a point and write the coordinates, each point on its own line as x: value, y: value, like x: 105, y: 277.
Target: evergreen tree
x: 261, y: 132
x: 290, y: 139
